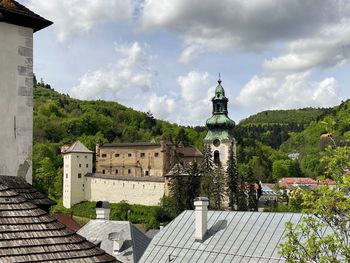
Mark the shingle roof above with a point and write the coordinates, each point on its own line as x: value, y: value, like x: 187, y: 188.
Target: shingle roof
x: 189, y: 152
x: 98, y: 231
x: 29, y: 234
x: 231, y: 237
x: 20, y: 186
x: 76, y: 147
x: 177, y: 169
x: 17, y: 14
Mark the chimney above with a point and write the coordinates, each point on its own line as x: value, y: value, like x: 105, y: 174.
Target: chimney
x: 201, y: 214
x: 102, y: 210
x: 118, y: 240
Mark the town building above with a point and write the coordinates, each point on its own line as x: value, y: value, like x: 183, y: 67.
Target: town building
x: 132, y: 172
x: 17, y: 25
x: 220, y: 127
x: 120, y: 239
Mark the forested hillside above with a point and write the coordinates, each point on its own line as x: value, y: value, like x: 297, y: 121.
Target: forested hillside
x: 59, y: 120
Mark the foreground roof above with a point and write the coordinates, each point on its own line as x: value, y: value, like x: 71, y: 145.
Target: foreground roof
x: 231, y: 237
x: 135, y: 242
x: 20, y: 186
x: 29, y: 234
x: 14, y: 13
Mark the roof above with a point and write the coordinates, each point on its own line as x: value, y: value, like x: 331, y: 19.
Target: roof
x: 189, y: 152
x: 126, y: 177
x: 135, y: 242
x: 297, y: 181
x: 29, y: 234
x: 20, y: 186
x: 178, y: 169
x: 136, y: 144
x: 14, y: 13
x: 231, y: 237
x: 68, y: 221
x: 76, y: 147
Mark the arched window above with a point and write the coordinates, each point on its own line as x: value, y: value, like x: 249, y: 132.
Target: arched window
x: 218, y: 107
x: 216, y: 157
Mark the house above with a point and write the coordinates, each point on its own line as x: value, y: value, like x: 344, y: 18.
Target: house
x: 220, y: 236
x: 17, y: 25
x: 120, y: 239
x: 29, y: 234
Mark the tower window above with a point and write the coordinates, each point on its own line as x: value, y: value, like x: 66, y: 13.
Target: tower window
x: 116, y: 171
x: 147, y: 173
x: 216, y: 157
x: 218, y: 107
x: 87, y: 165
x: 129, y: 171
x: 80, y: 165
x: 66, y: 175
x: 103, y: 171
x: 79, y: 175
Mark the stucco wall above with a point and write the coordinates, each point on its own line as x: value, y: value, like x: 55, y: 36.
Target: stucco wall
x: 144, y: 193
x: 76, y: 165
x: 16, y: 100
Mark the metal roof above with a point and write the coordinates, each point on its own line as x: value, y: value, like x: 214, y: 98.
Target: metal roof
x: 76, y: 147
x: 231, y: 237
x: 98, y: 231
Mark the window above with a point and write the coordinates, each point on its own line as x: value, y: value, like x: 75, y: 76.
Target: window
x: 156, y: 154
x: 216, y: 157
x: 83, y: 185
x: 79, y: 175
x: 87, y: 165
x: 66, y: 175
x: 80, y: 165
x: 129, y: 171
x: 142, y: 154
x: 129, y: 154
x: 104, y: 155
x: 147, y: 173
x: 116, y: 171
x: 103, y: 171
x: 117, y: 155
x: 85, y: 156
x: 77, y: 156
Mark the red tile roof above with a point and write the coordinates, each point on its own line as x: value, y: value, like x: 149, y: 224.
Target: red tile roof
x: 297, y: 181
x: 68, y: 221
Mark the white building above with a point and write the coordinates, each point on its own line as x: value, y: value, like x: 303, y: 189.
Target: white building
x: 17, y: 25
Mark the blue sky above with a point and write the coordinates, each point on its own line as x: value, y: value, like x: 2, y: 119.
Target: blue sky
x: 165, y: 56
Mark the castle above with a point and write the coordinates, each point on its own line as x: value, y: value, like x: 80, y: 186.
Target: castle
x: 138, y: 172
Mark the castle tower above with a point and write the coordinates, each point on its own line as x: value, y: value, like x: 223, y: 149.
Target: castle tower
x: 77, y: 162
x: 219, y: 136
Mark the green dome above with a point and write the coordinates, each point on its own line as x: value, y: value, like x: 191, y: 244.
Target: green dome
x: 219, y: 93
x: 220, y: 121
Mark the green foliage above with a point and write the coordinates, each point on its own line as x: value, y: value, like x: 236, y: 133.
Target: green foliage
x: 252, y: 192
x: 285, y: 168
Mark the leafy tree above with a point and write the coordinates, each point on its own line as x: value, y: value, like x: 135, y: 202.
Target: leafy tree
x: 323, y: 233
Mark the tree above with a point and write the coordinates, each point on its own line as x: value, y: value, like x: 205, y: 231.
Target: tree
x: 177, y: 186
x: 206, y: 168
x: 232, y: 178
x: 323, y: 233
x: 252, y: 192
x: 218, y: 187
x: 192, y: 185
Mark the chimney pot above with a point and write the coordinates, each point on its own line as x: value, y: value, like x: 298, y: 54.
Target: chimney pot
x: 201, y: 215
x: 102, y: 210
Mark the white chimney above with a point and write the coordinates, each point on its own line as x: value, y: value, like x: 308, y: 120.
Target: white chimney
x: 201, y: 215
x: 118, y: 240
x: 102, y: 210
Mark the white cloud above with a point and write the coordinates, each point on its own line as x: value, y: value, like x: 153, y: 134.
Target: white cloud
x: 74, y: 17
x: 238, y: 24
x: 291, y: 91
x: 194, y: 86
x: 131, y: 70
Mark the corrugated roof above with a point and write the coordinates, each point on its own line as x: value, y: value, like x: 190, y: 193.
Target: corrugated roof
x: 76, y: 147
x: 29, y: 234
x: 231, y: 237
x: 98, y: 231
x: 14, y: 13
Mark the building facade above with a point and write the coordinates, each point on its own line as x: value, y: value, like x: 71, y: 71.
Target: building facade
x: 17, y: 25
x: 220, y: 127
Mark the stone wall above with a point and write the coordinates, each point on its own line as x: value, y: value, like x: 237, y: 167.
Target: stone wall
x: 114, y: 191
x: 16, y: 100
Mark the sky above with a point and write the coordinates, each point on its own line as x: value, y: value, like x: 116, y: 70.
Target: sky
x: 165, y: 56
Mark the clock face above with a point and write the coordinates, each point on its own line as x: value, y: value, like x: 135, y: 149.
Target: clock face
x: 216, y: 142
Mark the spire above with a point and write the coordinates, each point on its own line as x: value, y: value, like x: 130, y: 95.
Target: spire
x: 219, y: 81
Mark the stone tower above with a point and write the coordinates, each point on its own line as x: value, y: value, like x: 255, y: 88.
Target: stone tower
x: 219, y: 136
x: 77, y: 162
x: 17, y: 25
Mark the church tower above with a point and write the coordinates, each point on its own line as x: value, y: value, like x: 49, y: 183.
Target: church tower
x: 219, y: 136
